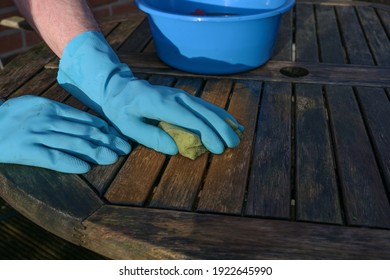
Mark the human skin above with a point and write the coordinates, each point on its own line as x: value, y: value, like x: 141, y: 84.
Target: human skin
x: 59, y: 21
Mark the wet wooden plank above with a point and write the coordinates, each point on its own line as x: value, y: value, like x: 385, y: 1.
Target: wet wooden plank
x: 305, y: 36
x: 376, y: 36
x: 58, y: 202
x: 135, y: 180
x: 316, y: 193
x: 226, y: 181
x: 269, y: 190
x: 283, y: 47
x: 331, y: 48
x: 142, y: 233
x: 182, y: 179
x: 353, y: 37
x: 178, y: 186
x: 363, y: 193
x: 375, y: 107
x: 101, y: 176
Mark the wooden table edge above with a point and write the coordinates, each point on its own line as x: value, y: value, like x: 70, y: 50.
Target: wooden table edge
x: 145, y: 233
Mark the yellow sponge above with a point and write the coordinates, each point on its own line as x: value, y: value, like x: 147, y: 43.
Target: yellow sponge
x: 188, y: 142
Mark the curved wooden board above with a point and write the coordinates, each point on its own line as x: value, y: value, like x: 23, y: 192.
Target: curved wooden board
x: 142, y: 233
x: 57, y: 202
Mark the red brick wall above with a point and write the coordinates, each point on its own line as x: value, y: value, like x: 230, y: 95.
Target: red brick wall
x: 15, y: 41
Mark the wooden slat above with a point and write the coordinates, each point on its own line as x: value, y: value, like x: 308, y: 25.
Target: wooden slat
x: 354, y: 41
x: 376, y: 111
x: 151, y: 48
x: 37, y: 84
x: 125, y: 29
x: 364, y: 195
x: 138, y: 40
x: 331, y: 48
x: 181, y: 181
x: 135, y: 181
x: 324, y: 73
x: 339, y: 2
x: 384, y: 16
x: 225, y: 184
x: 269, y: 191
x: 57, y: 202
x: 141, y: 233
x: 107, y: 27
x: 55, y: 92
x: 377, y: 38
x: 22, y: 239
x: 22, y: 68
x: 283, y: 47
x: 316, y: 191
x: 101, y: 176
x: 305, y: 36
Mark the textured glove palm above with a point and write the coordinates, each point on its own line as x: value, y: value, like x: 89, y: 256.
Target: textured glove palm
x: 40, y: 132
x: 92, y: 72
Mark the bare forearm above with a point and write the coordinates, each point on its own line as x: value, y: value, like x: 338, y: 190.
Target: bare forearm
x: 58, y: 21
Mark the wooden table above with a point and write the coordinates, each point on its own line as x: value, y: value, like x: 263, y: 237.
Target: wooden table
x: 310, y: 179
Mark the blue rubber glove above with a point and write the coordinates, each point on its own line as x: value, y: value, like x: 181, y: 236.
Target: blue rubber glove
x: 40, y: 132
x: 91, y: 71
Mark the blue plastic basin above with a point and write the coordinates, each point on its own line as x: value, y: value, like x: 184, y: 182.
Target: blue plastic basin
x: 214, y: 36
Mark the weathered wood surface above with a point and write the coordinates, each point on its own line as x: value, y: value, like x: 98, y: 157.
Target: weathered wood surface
x: 317, y: 197
x: 23, y: 239
x: 364, y: 195
x: 178, y: 190
x: 306, y: 43
x: 141, y: 233
x: 53, y: 200
x: 330, y: 44
x: 314, y: 160
x: 355, y: 44
x: 376, y: 111
x: 325, y: 73
x: 225, y: 184
x: 269, y: 190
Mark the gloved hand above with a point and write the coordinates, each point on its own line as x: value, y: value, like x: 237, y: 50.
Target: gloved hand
x: 40, y: 132
x: 92, y: 72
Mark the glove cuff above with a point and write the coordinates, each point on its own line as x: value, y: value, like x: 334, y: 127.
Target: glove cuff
x: 87, y: 66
